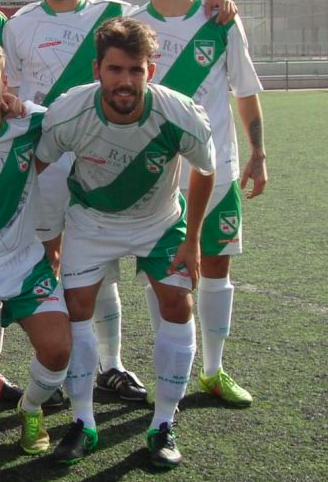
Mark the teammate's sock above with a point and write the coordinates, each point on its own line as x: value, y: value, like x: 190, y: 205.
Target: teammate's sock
x: 153, y: 307
x: 41, y: 385
x: 81, y: 371
x: 175, y: 347
x: 215, y: 298
x: 107, y: 323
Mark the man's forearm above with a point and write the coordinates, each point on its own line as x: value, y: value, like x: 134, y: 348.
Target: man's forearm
x: 251, y: 116
x: 199, y: 192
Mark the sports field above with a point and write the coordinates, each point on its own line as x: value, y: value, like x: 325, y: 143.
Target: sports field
x: 278, y: 348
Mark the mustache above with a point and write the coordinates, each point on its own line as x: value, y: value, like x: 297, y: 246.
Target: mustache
x: 125, y: 90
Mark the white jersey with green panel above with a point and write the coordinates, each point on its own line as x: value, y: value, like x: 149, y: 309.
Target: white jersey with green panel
x: 203, y: 60
x: 56, y: 50
x: 18, y: 185
x: 127, y: 172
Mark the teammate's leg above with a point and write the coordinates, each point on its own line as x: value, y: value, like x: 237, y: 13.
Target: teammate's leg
x: 112, y: 375
x: 82, y: 436
x: 174, y: 350
x: 221, y: 237
x: 50, y: 336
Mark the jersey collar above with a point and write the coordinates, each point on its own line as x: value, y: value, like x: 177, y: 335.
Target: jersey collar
x: 50, y: 11
x: 192, y: 10
x: 145, y: 113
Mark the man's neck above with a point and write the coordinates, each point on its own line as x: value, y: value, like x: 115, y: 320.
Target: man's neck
x: 60, y: 6
x: 172, y: 8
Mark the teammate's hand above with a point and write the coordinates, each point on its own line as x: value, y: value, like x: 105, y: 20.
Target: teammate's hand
x: 227, y: 10
x: 256, y: 170
x: 188, y: 255
x: 11, y: 106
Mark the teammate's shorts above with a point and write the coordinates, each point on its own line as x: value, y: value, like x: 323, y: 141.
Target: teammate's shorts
x: 222, y: 226
x: 89, y: 250
x: 54, y: 197
x: 28, y: 287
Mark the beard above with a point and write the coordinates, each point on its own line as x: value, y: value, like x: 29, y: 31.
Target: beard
x: 118, y: 103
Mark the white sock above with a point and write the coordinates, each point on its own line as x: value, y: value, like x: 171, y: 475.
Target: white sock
x: 153, y: 307
x: 81, y: 371
x: 175, y: 347
x: 215, y: 298
x: 107, y: 323
x: 41, y: 385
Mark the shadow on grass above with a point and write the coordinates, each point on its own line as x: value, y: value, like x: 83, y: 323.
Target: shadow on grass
x: 205, y: 400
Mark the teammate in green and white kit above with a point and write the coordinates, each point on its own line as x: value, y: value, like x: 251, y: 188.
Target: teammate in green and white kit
x: 201, y: 59
x: 127, y: 136
x: 29, y: 291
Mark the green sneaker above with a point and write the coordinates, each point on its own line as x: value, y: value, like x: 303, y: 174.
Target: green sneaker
x: 224, y: 387
x: 76, y: 444
x: 34, y: 437
x: 162, y: 447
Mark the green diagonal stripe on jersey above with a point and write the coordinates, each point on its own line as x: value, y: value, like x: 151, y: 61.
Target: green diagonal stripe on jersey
x: 80, y: 66
x: 198, y: 56
x: 137, y: 179
x: 17, y: 166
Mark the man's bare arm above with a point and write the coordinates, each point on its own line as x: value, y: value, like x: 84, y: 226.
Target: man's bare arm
x: 199, y: 192
x: 251, y: 116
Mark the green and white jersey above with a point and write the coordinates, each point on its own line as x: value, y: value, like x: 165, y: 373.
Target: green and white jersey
x: 18, y: 183
x: 56, y: 50
x: 203, y: 60
x: 3, y: 20
x: 130, y: 172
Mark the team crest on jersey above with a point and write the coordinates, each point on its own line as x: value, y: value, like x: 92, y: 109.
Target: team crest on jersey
x: 43, y: 287
x: 24, y: 155
x: 229, y: 222
x: 155, y: 162
x: 204, y: 51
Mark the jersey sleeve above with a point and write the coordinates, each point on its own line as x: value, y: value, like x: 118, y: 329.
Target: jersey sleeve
x: 13, y: 65
x: 3, y: 20
x: 197, y: 146
x: 55, y: 138
x: 243, y: 78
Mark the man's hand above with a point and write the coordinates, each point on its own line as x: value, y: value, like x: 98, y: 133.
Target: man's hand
x: 188, y: 255
x: 227, y: 10
x: 256, y: 170
x: 11, y: 106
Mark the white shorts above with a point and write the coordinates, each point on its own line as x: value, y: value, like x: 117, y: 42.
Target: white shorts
x: 91, y: 252
x: 28, y: 286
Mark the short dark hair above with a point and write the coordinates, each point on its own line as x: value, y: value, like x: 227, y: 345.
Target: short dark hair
x: 133, y: 37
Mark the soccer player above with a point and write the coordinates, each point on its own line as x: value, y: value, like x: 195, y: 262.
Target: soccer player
x: 202, y: 59
x: 29, y: 292
x: 56, y: 53
x: 127, y: 136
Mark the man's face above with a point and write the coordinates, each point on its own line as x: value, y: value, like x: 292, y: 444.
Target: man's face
x: 123, y: 81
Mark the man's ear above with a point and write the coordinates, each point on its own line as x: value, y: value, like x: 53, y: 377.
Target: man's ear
x: 151, y: 71
x: 96, y: 70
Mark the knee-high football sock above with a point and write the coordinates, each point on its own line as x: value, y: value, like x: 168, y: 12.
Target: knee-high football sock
x: 81, y: 371
x: 107, y: 323
x: 174, y: 351
x: 215, y: 298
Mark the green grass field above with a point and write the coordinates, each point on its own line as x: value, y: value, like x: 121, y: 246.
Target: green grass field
x: 277, y: 349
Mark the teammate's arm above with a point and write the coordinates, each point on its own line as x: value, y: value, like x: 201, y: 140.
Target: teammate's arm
x: 199, y: 192
x: 251, y: 116
x: 227, y: 10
